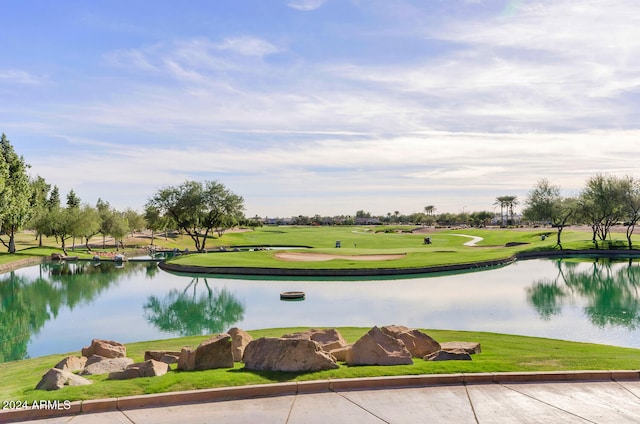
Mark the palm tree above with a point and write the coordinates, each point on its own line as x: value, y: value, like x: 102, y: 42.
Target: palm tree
x: 508, y: 203
x: 429, y: 210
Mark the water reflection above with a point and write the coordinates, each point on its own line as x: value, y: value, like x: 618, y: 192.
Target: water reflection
x: 27, y: 303
x: 608, y: 289
x: 188, y: 313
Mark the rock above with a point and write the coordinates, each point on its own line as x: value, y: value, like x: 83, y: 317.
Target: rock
x: 149, y: 368
x: 55, y: 379
x: 416, y: 342
x: 239, y: 340
x: 100, y: 365
x: 340, y: 353
x: 378, y: 348
x: 71, y: 364
x: 448, y: 355
x: 168, y: 357
x: 187, y: 359
x: 469, y: 347
x: 105, y: 348
x: 289, y: 355
x: 328, y: 339
x: 214, y: 353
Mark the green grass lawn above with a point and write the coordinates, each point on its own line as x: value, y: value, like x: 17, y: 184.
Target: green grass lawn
x: 500, y: 353
x: 448, y: 247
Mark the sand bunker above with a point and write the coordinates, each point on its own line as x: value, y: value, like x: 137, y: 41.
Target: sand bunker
x: 315, y: 257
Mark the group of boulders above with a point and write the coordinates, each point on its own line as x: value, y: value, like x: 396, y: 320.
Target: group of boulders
x: 306, y: 351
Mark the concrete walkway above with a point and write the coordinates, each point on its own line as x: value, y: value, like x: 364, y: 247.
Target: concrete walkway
x: 572, y: 400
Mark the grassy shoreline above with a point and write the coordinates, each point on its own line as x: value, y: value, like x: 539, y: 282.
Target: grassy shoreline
x: 500, y: 353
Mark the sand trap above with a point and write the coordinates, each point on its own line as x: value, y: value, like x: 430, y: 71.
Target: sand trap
x: 316, y: 257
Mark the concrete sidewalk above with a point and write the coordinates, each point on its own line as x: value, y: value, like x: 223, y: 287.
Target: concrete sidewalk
x: 508, y: 398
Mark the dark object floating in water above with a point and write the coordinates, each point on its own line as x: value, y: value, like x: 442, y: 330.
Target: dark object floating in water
x: 292, y: 295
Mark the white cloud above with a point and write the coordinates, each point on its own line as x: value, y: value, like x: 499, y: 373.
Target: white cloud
x: 306, y: 5
x: 248, y: 46
x: 15, y: 76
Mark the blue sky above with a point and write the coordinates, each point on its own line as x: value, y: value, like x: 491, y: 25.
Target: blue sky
x: 322, y: 106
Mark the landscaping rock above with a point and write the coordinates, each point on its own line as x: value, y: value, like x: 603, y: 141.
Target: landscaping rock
x: 328, y: 339
x: 469, y: 347
x: 416, y: 342
x: 55, y: 379
x: 71, y: 364
x: 105, y: 348
x: 341, y: 353
x: 378, y: 348
x: 239, y: 341
x: 448, y: 355
x: 168, y: 357
x: 289, y: 355
x: 187, y: 359
x: 214, y: 353
x: 210, y: 354
x: 100, y: 365
x: 149, y: 368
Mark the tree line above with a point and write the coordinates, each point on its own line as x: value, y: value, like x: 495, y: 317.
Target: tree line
x: 196, y: 209
x: 605, y: 201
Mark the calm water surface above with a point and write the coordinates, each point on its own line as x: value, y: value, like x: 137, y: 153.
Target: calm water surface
x: 59, y: 308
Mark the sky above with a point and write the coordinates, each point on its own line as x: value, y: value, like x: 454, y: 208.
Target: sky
x: 326, y: 107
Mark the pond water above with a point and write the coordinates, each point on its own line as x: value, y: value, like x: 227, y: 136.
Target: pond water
x: 58, y: 308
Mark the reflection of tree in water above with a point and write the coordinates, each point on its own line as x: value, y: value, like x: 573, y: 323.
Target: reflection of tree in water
x: 611, y: 291
x: 189, y: 314
x: 26, y: 304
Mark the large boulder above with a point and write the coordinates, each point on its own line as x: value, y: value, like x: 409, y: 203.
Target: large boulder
x: 168, y: 357
x: 210, y: 354
x: 378, y: 348
x: 214, y: 353
x: 239, y: 341
x: 416, y: 342
x: 105, y: 348
x: 149, y: 368
x: 448, y: 355
x: 289, y: 355
x: 55, y: 379
x: 100, y: 365
x: 469, y: 347
x: 71, y: 364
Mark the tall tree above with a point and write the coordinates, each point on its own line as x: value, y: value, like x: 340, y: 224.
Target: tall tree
x: 73, y: 201
x: 39, y: 206
x: 198, y: 208
x: 15, y: 197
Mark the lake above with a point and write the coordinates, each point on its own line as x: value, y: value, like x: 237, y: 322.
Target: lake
x: 59, y: 308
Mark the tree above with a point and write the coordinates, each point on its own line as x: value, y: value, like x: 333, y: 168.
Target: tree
x: 545, y: 205
x: 506, y: 203
x: 135, y: 221
x: 601, y: 203
x: 199, y: 208
x: 39, y: 206
x: 86, y: 224
x: 15, y: 194
x: 154, y: 220
x: 429, y: 210
x: 73, y: 201
x: 631, y: 205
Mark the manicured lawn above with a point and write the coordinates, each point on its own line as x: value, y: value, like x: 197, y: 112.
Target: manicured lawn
x: 447, y: 247
x: 500, y: 353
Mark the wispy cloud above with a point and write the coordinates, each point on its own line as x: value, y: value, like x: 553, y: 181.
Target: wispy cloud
x: 306, y: 5
x: 14, y: 76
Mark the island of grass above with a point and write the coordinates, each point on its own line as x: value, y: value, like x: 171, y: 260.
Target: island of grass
x: 372, y: 251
